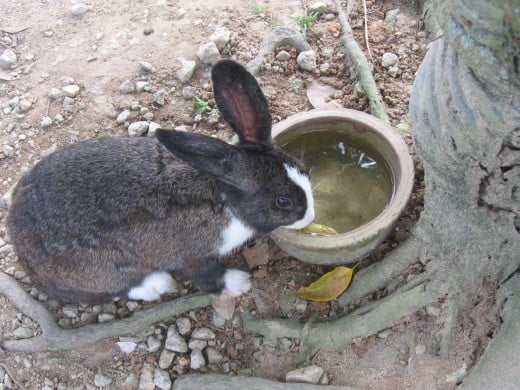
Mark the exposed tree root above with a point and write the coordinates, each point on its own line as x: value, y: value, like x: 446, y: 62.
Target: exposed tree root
x: 363, y: 322
x: 55, y: 338
x: 360, y: 66
x: 278, y: 37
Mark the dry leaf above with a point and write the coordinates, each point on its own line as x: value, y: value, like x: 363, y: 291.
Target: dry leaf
x: 224, y: 306
x: 329, y: 286
x: 256, y: 255
x: 319, y: 95
x: 318, y: 228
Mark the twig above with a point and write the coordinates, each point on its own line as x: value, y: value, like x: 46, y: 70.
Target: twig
x: 366, y: 31
x: 54, y: 338
x: 360, y: 66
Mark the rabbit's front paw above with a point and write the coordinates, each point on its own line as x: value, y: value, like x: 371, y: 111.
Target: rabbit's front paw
x: 153, y: 286
x: 236, y: 282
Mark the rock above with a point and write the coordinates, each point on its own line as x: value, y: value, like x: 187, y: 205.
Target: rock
x: 214, y: 356
x: 189, y: 92
x: 46, y: 122
x: 197, y: 360
x: 318, y: 7
x: 393, y: 71
x: 145, y: 67
x: 389, y: 59
x: 310, y: 374
x: 146, y: 380
x: 220, y: 37
x: 175, y: 342
x: 217, y: 320
x: 283, y: 55
x: 136, y: 129
x: 202, y: 334
x: 183, y: 325
x: 123, y: 116
x: 24, y: 105
x: 101, y: 380
x: 70, y: 310
x: 162, y: 379
x: 105, y: 317
x: 159, y: 97
x: 153, y: 344
x: 50, y: 150
x: 186, y: 70
x: 152, y: 127
x: 457, y: 376
x: 166, y: 359
x: 127, y: 87
x: 131, y: 381
x: 208, y: 53
x: 391, y: 16
x: 403, y: 128
x: 23, y: 333
x: 197, y: 344
x: 54, y: 94
x: 78, y: 9
x: 8, y: 58
x: 306, y: 60
x: 142, y: 86
x: 127, y: 347
x: 8, y: 150
x: 71, y: 90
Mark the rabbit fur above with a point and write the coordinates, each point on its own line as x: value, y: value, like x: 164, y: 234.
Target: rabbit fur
x: 115, y: 216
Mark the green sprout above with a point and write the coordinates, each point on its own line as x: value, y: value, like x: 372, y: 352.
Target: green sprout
x: 202, y: 105
x: 306, y: 21
x: 258, y: 9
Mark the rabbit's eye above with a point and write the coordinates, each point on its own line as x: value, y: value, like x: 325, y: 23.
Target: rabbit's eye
x: 284, y: 203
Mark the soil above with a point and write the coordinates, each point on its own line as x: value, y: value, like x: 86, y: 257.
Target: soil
x: 101, y: 48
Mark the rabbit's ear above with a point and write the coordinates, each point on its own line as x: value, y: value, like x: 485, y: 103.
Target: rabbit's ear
x: 210, y: 156
x: 241, y: 102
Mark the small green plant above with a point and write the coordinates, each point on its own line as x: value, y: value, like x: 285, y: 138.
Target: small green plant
x: 204, y: 106
x: 258, y: 9
x: 306, y: 21
x: 275, y: 23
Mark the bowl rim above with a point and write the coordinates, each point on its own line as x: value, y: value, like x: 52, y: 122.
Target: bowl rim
x: 403, y: 183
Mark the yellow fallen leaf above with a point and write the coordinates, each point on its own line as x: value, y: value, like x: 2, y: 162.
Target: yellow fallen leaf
x: 318, y: 228
x: 329, y: 286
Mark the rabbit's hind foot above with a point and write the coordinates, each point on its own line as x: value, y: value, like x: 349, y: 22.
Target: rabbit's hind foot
x: 153, y: 286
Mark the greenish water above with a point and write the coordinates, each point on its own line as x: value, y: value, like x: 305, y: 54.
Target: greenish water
x: 351, y: 181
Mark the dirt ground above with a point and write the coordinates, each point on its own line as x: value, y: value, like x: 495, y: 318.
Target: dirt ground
x: 104, y: 44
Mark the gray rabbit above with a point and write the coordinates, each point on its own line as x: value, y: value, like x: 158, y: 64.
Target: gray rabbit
x: 114, y: 216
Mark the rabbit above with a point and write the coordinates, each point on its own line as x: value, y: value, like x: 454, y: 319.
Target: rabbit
x: 115, y: 217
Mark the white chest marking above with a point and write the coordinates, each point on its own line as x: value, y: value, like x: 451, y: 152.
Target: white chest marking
x: 234, y: 235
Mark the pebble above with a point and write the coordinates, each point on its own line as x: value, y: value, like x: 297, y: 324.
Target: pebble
x: 318, y: 6
x: 127, y: 87
x: 393, y: 71
x: 186, y: 70
x: 54, y: 94
x: 189, y: 92
x: 203, y: 334
x: 403, y: 128
x: 161, y: 379
x: 166, y: 359
x: 78, y: 9
x: 153, y: 344
x: 208, y: 53
x: 217, y: 320
x: 24, y: 105
x: 23, y: 332
x: 310, y: 374
x: 142, y: 86
x: 70, y: 311
x: 159, y: 97
x: 8, y: 150
x: 152, y: 127
x: 306, y: 60
x: 101, y: 380
x: 197, y: 344
x: 46, y: 122
x: 183, y: 325
x: 8, y: 58
x: 389, y: 59
x: 214, y: 356
x: 145, y: 67
x: 283, y: 55
x: 136, y: 129
x: 174, y: 341
x: 457, y: 376
x: 70, y: 90
x: 131, y: 381
x: 127, y: 347
x: 391, y: 16
x: 105, y: 317
x: 146, y: 381
x: 220, y: 37
x: 197, y: 360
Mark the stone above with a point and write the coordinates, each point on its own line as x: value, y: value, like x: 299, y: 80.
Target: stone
x: 202, y: 334
x: 197, y: 344
x: 145, y: 67
x: 159, y: 97
x: 183, y: 325
x: 142, y: 86
x: 166, y: 359
x: 458, y: 375
x: 175, y: 342
x: 136, y: 129
x: 8, y: 58
x: 46, y: 122
x: 318, y: 7
x: 8, y: 150
x: 123, y: 116
x: 105, y: 317
x: 127, y: 347
x: 162, y: 379
x: 186, y: 70
x: 197, y: 360
x: 391, y: 16
x: 213, y: 355
x: 208, y: 53
x: 393, y: 71
x: 189, y: 92
x: 78, y: 9
x: 23, y: 332
x: 24, y: 105
x: 70, y: 90
x: 152, y: 127
x: 306, y: 60
x: 283, y: 55
x: 70, y: 311
x: 127, y: 87
x: 310, y: 374
x: 146, y: 379
x: 153, y: 344
x: 101, y: 380
x: 389, y: 59
x: 220, y: 37
x: 131, y: 381
x: 54, y: 94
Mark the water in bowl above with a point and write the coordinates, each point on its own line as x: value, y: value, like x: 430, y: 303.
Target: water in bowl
x: 351, y: 181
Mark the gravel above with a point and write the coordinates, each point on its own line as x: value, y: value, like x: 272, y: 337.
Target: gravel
x: 8, y: 58
x: 311, y: 374
x: 208, y: 53
x: 220, y: 37
x: 389, y: 59
x: 137, y: 129
x: 127, y: 87
x: 186, y: 70
x: 306, y: 60
x: 174, y: 341
x: 197, y: 360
